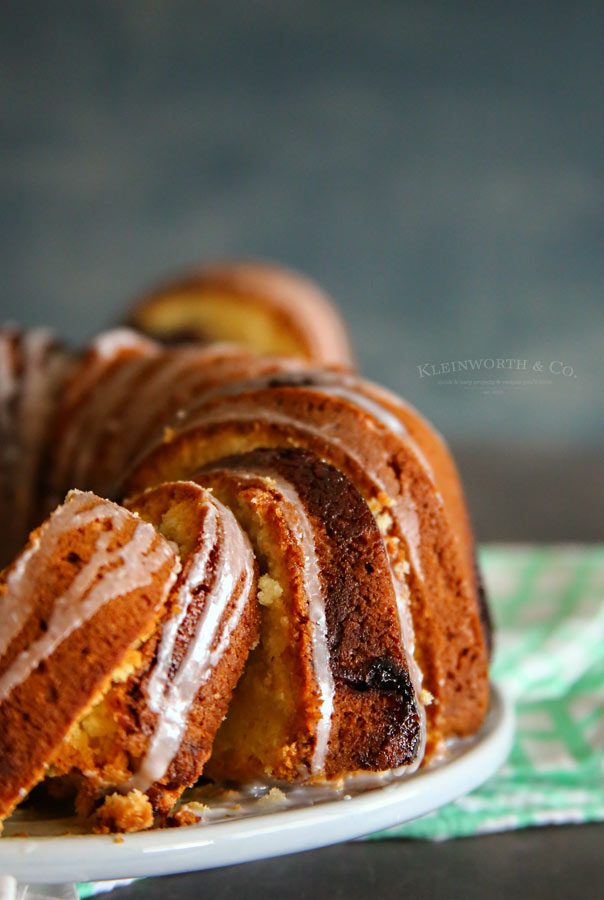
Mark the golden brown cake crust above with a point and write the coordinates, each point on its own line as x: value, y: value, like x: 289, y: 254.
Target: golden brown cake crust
x: 102, y: 701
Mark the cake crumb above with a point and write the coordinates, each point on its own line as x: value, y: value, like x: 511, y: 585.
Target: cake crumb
x: 384, y: 523
x: 379, y: 507
x: 125, y: 812
x: 272, y: 798
x: 382, y: 501
x: 375, y: 506
x: 189, y: 814
x: 426, y: 698
x: 268, y: 590
x: 401, y: 569
x: 128, y: 666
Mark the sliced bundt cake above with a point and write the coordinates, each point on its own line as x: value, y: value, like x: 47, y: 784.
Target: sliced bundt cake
x: 299, y: 515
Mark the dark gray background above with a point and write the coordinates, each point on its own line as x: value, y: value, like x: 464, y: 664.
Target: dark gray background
x: 438, y: 166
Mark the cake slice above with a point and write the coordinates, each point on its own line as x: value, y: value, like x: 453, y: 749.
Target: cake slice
x: 265, y: 307
x: 328, y: 690
x: 143, y: 732
x: 89, y: 587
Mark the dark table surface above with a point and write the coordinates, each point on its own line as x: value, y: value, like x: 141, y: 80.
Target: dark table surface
x: 546, y: 862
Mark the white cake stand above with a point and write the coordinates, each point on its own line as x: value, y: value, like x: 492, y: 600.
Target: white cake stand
x: 304, y: 819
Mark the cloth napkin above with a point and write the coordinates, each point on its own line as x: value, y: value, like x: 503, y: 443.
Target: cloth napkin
x: 548, y: 609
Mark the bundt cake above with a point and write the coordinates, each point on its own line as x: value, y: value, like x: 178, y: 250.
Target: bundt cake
x: 288, y: 590
x: 404, y: 472
x: 328, y: 689
x: 154, y: 607
x: 265, y: 307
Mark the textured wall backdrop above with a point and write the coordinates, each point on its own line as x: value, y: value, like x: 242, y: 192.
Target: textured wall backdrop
x: 437, y: 166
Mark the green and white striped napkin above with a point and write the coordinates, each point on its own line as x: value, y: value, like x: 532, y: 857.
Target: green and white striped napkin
x: 548, y: 609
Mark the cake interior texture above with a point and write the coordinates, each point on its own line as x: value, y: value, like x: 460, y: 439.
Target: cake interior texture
x: 270, y: 722
x: 216, y: 317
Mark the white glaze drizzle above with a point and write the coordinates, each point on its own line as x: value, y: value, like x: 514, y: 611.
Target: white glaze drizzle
x: 14, y: 611
x: 200, y: 381
x: 110, y: 447
x: 104, y: 350
x: 133, y: 566
x: 196, y: 575
x: 299, y: 524
x: 318, y: 621
x: 381, y: 414
x: 148, y: 408
x: 92, y: 386
x: 109, y: 391
x: 395, y: 400
x: 172, y: 701
x: 332, y: 385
